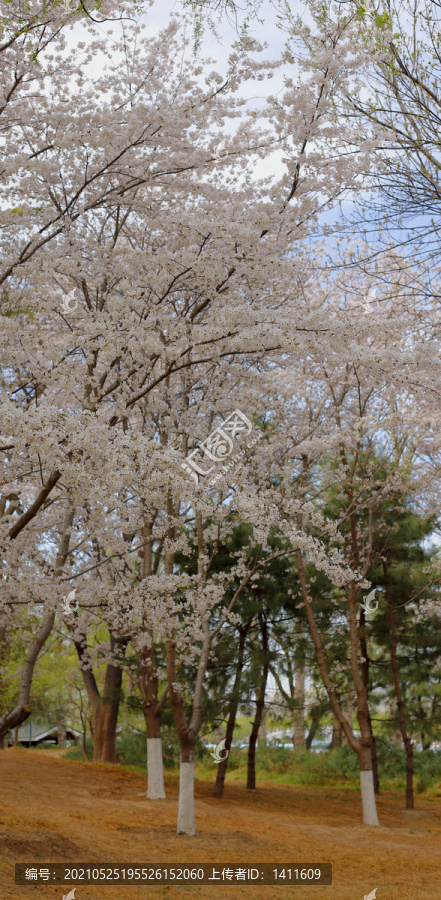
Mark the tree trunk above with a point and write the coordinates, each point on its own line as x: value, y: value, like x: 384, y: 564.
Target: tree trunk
x: 61, y: 735
x: 317, y: 714
x: 155, y: 766
x: 337, y: 734
x: 368, y: 796
x: 22, y: 710
x: 97, y: 730
x: 106, y: 717
x: 155, y: 770
x: 394, y: 718
x: 5, y: 646
x: 187, y: 733
x: 82, y: 745
x: 260, y: 705
x: 374, y: 758
x: 149, y: 688
x: 362, y: 747
x: 261, y: 734
x: 365, y: 665
x: 400, y: 703
x: 349, y: 715
x: 234, y: 703
x: 299, y: 713
x: 186, y: 824
x: 105, y: 707
x: 312, y: 731
x: 367, y: 782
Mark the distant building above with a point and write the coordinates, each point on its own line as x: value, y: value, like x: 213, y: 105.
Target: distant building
x: 30, y: 734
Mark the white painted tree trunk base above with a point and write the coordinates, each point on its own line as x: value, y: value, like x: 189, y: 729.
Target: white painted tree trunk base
x: 155, y: 770
x: 186, y: 799
x: 368, y: 798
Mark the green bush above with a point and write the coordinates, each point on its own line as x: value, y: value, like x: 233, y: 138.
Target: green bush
x: 427, y: 769
x: 75, y: 752
x: 340, y: 765
x: 336, y: 766
x: 131, y: 749
x: 170, y: 750
x: 274, y: 758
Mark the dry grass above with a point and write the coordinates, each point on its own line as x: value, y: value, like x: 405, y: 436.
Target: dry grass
x: 57, y: 810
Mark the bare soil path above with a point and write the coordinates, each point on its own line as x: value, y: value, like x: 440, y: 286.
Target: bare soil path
x: 57, y: 810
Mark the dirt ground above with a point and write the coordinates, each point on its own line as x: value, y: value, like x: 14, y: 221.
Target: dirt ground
x: 57, y: 810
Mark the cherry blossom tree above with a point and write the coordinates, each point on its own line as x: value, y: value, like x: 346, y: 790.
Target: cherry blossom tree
x: 183, y: 279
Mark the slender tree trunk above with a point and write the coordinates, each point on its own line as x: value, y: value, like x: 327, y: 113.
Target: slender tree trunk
x: 155, y: 769
x: 400, y: 703
x: 155, y: 765
x: 367, y: 787
x: 22, y: 710
x: 374, y: 758
x: 186, y: 823
x: 365, y: 665
x: 260, y: 705
x: 187, y: 733
x: 97, y: 730
x: 348, y: 712
x: 81, y: 744
x: 315, y: 716
x: 367, y: 783
x: 234, y: 703
x: 394, y: 718
x: 337, y: 734
x: 84, y: 734
x: 4, y: 658
x: 362, y: 747
x: 261, y: 734
x: 149, y: 688
x: 299, y: 695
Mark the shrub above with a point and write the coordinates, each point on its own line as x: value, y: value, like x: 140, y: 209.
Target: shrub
x: 75, y: 752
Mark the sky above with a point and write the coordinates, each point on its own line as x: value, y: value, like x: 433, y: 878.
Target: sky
x: 216, y: 48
